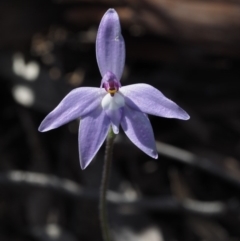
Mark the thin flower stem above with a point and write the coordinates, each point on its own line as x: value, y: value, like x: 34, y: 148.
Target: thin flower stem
x: 104, y: 186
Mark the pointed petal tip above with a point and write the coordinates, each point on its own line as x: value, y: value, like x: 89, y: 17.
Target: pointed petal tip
x: 41, y: 128
x: 111, y: 10
x: 45, y: 126
x: 187, y: 117
x: 154, y: 154
x: 83, y: 167
x: 84, y: 164
x: 184, y: 115
x: 180, y: 114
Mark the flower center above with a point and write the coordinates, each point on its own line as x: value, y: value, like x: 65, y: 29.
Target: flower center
x: 110, y: 83
x: 111, y: 86
x: 112, y: 91
x: 113, y: 101
x: 110, y: 103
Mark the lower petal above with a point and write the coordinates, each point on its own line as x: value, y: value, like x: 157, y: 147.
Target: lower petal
x: 93, y: 131
x: 138, y: 128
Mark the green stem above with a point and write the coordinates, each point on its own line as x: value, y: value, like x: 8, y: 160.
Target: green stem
x: 104, y: 186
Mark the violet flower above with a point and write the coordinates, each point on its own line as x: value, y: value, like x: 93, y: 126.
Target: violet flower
x: 112, y: 105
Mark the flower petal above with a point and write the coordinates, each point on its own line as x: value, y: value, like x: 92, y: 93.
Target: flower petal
x: 77, y: 103
x: 146, y: 98
x: 138, y: 128
x: 110, y: 46
x: 93, y: 131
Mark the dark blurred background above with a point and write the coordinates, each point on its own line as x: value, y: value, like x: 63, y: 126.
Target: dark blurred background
x: 188, y: 49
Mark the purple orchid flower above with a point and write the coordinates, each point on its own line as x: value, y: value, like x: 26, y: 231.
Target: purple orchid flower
x: 112, y: 105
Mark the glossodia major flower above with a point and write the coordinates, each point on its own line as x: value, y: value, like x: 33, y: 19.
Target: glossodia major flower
x: 112, y: 105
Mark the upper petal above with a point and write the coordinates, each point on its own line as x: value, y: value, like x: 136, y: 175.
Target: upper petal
x: 110, y: 46
x: 77, y: 103
x: 149, y: 100
x: 138, y: 128
x: 92, y: 133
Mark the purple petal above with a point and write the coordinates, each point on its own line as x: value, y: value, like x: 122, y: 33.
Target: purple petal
x: 149, y: 100
x: 93, y: 131
x: 110, y: 47
x: 138, y: 128
x: 77, y: 103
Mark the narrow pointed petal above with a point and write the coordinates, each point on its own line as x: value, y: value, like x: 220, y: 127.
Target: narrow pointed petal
x: 77, y: 103
x: 145, y: 98
x: 138, y: 128
x: 110, y: 46
x: 93, y: 131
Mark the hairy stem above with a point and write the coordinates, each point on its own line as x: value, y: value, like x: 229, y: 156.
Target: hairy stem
x: 104, y: 186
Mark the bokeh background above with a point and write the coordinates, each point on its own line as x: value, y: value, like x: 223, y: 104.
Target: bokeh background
x: 188, y: 49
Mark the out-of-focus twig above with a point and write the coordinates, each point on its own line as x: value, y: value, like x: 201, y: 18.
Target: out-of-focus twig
x: 195, y: 161
x: 71, y: 189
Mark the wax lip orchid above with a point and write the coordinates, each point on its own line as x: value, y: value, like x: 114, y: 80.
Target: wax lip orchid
x: 112, y: 105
